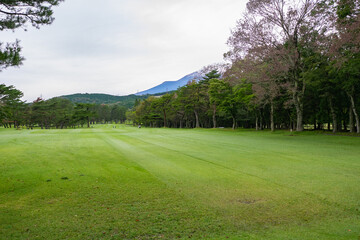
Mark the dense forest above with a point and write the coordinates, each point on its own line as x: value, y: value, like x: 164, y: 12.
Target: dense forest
x: 57, y: 113
x: 290, y: 65
x: 127, y: 101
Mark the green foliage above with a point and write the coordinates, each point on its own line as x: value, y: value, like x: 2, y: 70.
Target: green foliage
x: 194, y: 104
x: 96, y: 98
x: 162, y: 104
x: 218, y: 90
x: 349, y: 73
x: 16, y: 14
x: 10, y: 55
x: 55, y: 112
x: 10, y: 104
x: 302, y: 61
x: 118, y: 113
x: 214, y: 74
x: 347, y: 9
x: 83, y: 113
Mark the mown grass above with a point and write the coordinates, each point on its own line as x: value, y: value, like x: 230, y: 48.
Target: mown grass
x: 130, y: 183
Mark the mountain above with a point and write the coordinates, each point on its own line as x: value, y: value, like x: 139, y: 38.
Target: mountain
x: 129, y: 100
x: 169, y: 86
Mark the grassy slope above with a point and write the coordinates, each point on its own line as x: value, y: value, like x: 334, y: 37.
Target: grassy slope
x: 170, y: 183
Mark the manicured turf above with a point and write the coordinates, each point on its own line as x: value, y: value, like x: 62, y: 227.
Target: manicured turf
x: 126, y: 183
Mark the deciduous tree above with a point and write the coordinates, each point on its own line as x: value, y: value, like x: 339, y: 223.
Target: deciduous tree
x: 278, y: 29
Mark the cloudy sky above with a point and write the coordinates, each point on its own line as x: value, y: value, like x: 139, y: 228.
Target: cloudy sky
x: 120, y: 47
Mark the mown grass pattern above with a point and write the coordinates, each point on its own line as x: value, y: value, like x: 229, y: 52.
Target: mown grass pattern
x: 130, y: 183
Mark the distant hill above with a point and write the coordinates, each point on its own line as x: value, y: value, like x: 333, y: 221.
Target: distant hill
x: 99, y: 98
x: 129, y: 100
x: 169, y: 86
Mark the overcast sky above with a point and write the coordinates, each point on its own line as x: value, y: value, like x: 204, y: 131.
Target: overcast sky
x: 120, y: 47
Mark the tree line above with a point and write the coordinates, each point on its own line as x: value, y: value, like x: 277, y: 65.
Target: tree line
x: 54, y: 113
x: 291, y: 64
x: 209, y: 102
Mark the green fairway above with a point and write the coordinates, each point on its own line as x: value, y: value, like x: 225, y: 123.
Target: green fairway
x: 126, y: 183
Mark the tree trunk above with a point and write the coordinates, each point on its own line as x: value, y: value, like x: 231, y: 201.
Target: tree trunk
x: 355, y: 113
x: 298, y: 101
x: 164, y: 118
x: 272, y: 125
x: 299, y: 120
x: 333, y: 115
x: 214, y: 116
x: 197, y: 124
x: 234, y: 123
x: 351, y: 120
x: 299, y: 117
x: 257, y: 123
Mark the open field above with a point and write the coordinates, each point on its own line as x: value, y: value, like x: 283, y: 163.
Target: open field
x: 125, y: 183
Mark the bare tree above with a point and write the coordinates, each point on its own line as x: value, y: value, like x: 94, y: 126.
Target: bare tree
x: 278, y: 29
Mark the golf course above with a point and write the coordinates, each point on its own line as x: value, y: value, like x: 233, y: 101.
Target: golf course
x: 123, y: 182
